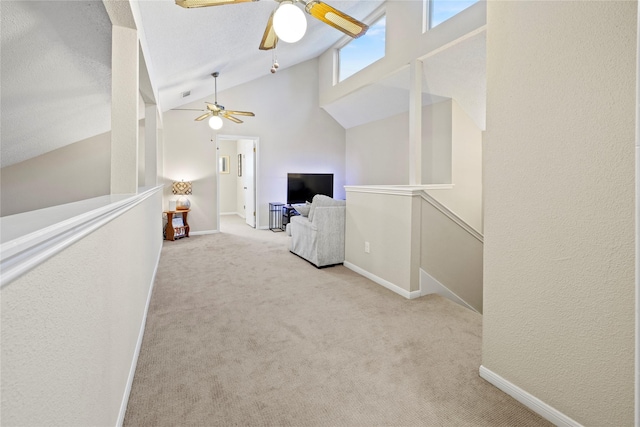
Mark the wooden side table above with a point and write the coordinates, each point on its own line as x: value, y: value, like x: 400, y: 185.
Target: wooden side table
x: 173, y: 232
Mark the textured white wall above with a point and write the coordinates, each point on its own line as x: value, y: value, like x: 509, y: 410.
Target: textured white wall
x: 189, y: 154
x: 75, y: 172
x: 72, y: 173
x: 405, y: 41
x: 295, y: 136
x: 465, y: 151
x: 125, y: 105
x: 378, y: 153
x: 451, y: 255
x: 391, y: 225
x: 437, y: 131
x: 70, y: 326
x: 559, y: 204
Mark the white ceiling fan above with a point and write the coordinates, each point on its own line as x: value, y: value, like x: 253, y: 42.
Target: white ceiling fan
x: 288, y: 23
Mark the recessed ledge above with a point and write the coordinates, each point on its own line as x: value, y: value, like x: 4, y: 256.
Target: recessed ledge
x: 29, y: 238
x: 399, y: 190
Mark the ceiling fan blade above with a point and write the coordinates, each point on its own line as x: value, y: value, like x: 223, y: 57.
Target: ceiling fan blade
x: 240, y: 113
x: 204, y: 116
x: 233, y: 119
x: 205, y: 3
x: 269, y: 38
x: 338, y: 20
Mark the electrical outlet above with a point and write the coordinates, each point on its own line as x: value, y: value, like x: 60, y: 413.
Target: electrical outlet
x: 367, y: 247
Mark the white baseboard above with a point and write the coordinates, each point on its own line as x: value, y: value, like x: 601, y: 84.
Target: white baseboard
x: 229, y: 213
x: 136, y: 354
x: 430, y: 285
x: 200, y: 233
x: 536, y: 405
x: 380, y: 281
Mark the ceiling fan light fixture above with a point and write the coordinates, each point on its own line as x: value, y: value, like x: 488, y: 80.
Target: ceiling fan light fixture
x: 215, y: 122
x: 289, y: 22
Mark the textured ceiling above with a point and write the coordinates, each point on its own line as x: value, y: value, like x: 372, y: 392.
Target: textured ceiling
x: 185, y: 46
x: 56, y: 75
x: 56, y: 66
x: 56, y: 61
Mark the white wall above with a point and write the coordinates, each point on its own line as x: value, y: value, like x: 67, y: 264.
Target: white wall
x: 451, y: 255
x: 559, y: 204
x: 190, y: 154
x: 75, y: 172
x: 406, y: 41
x: 70, y: 326
x: 437, y: 135
x: 465, y: 151
x: 389, y: 220
x: 378, y: 152
x: 295, y: 136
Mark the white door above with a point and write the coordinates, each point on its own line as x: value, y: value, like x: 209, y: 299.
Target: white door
x: 249, y: 181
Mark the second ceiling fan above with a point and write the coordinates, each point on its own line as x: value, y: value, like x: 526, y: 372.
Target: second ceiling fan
x: 215, y: 111
x: 287, y: 22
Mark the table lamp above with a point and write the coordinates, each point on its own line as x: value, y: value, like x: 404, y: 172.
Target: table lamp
x: 182, y: 188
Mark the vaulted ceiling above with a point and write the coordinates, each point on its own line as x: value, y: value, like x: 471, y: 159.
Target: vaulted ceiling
x: 56, y: 55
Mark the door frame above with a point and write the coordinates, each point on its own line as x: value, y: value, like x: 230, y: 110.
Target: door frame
x: 256, y: 163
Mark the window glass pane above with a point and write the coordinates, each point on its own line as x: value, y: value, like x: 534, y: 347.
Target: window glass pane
x: 363, y: 51
x: 441, y: 10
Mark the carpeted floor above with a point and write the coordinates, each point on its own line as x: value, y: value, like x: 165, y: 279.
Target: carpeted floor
x: 242, y: 332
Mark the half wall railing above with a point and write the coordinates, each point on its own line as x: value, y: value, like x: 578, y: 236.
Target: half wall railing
x: 404, y: 239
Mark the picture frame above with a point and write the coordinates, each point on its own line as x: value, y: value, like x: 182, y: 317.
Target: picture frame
x: 224, y: 164
x: 239, y: 164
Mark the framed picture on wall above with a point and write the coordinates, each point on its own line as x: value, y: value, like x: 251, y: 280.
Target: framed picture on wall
x: 224, y: 164
x: 239, y: 164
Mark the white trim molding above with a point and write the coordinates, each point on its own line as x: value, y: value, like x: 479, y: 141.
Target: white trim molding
x: 398, y: 190
x: 536, y: 405
x: 136, y: 354
x: 202, y: 233
x: 23, y: 253
x: 452, y: 216
x: 380, y: 281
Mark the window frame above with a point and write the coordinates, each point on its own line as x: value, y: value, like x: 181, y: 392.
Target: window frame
x: 428, y: 18
x: 371, y: 20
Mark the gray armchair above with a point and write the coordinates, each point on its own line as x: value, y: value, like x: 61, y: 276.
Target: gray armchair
x: 319, y: 237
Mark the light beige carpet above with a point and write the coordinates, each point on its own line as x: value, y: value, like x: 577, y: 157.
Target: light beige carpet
x: 240, y: 332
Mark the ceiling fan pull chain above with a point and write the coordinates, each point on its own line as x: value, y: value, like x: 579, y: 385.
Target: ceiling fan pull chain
x: 274, y: 59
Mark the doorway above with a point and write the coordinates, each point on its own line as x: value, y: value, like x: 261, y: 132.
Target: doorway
x: 237, y: 166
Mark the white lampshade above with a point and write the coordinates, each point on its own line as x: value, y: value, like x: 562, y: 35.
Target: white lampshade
x: 215, y: 122
x: 289, y: 22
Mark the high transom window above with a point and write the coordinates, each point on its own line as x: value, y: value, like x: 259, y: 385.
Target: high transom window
x: 441, y: 10
x: 363, y: 51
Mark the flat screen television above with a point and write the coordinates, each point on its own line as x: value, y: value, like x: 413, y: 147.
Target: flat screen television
x: 301, y: 187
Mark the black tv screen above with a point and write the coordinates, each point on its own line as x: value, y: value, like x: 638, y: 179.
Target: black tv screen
x: 301, y: 187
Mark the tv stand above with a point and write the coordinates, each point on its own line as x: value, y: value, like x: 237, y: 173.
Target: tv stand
x: 276, y: 210
x: 280, y: 215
